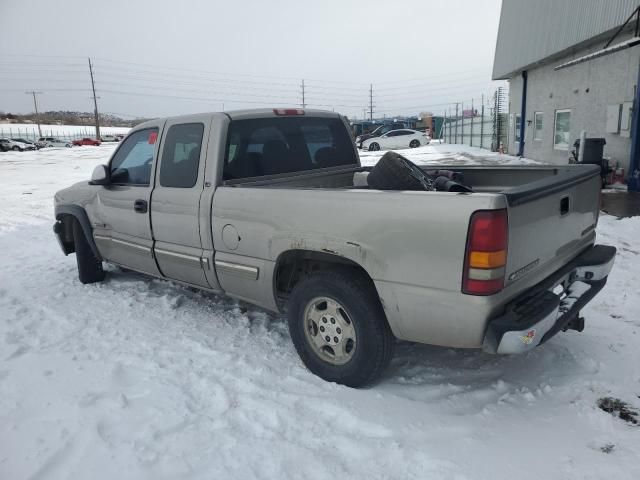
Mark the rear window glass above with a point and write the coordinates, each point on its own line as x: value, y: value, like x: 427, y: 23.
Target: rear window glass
x: 271, y: 146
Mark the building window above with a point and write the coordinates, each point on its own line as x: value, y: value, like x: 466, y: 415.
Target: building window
x: 516, y: 133
x: 562, y: 130
x: 537, y: 129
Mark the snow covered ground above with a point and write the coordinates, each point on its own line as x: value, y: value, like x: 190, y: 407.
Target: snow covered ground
x: 449, y: 154
x: 140, y: 378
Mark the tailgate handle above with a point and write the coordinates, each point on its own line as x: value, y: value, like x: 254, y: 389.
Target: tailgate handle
x: 564, y: 206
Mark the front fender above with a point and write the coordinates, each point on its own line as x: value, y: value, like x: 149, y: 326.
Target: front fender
x: 81, y: 216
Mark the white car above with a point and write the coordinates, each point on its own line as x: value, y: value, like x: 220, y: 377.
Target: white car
x: 10, y: 144
x: 403, y: 138
x: 52, y: 142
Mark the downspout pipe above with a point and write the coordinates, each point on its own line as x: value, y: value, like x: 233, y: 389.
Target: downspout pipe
x: 633, y: 181
x: 523, y: 113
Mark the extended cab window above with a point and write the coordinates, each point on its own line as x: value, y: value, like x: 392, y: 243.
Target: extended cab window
x: 181, y: 155
x: 131, y: 164
x: 271, y: 146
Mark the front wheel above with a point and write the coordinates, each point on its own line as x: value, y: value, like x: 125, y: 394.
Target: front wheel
x: 374, y: 147
x: 414, y: 144
x: 16, y: 149
x: 339, y: 328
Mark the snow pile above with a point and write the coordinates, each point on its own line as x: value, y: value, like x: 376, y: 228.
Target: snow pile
x: 141, y: 378
x: 448, y: 154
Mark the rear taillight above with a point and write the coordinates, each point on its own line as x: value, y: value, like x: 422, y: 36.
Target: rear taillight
x: 486, y: 255
x: 288, y: 111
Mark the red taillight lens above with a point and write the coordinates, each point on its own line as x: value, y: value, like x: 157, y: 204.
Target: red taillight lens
x: 486, y: 254
x: 288, y: 111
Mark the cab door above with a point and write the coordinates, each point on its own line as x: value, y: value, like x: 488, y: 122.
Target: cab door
x: 175, y: 203
x: 122, y: 229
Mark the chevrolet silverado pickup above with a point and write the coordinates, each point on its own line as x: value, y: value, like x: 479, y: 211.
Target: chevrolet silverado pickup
x: 273, y: 207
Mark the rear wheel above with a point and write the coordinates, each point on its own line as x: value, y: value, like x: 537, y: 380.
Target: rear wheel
x: 16, y: 149
x: 339, y: 328
x: 414, y: 144
x: 89, y: 266
x: 374, y: 147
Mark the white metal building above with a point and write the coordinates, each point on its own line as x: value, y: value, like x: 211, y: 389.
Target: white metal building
x: 553, y: 54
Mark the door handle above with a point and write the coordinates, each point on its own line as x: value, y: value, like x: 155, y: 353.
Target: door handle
x: 140, y: 206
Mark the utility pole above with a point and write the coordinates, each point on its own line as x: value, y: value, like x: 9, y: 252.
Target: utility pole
x: 457, y: 119
x: 371, y: 102
x: 95, y: 101
x: 304, y: 105
x: 482, y: 122
x: 35, y: 106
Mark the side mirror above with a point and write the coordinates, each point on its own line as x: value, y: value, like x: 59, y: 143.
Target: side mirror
x: 100, y: 176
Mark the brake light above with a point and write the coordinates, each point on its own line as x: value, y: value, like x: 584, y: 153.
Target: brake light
x: 486, y: 254
x: 288, y: 111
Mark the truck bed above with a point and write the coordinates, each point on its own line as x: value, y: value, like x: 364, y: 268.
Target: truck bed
x: 518, y: 183
x: 413, y: 243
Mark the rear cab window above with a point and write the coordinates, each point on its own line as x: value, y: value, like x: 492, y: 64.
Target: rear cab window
x: 280, y: 145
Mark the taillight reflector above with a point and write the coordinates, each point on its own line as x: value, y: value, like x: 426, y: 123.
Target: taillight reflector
x: 288, y: 111
x: 486, y: 254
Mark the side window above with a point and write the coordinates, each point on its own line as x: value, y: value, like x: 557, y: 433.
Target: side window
x: 181, y: 155
x: 131, y: 165
x: 394, y: 133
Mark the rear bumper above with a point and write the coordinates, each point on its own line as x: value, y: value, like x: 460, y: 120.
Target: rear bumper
x: 538, y: 314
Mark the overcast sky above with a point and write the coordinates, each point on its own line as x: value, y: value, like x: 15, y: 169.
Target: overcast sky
x: 166, y: 57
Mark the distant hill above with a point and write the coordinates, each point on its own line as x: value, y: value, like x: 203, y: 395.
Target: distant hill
x: 71, y: 118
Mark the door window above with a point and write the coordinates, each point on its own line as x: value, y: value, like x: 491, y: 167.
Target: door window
x: 131, y: 164
x: 181, y: 155
x: 562, y: 130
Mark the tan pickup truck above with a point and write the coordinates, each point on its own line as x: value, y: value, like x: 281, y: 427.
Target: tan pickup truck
x: 272, y: 207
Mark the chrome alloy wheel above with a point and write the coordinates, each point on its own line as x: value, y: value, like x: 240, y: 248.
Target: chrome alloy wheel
x: 329, y: 330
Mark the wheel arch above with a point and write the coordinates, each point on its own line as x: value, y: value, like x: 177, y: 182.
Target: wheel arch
x: 293, y: 265
x: 64, y: 214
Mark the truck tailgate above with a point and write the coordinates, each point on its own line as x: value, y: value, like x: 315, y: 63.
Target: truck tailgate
x: 551, y: 221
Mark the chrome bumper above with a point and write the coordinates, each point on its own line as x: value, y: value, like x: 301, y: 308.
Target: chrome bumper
x: 540, y: 313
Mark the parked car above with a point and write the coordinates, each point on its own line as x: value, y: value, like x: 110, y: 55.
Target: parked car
x: 25, y: 141
x: 264, y: 220
x: 381, y: 130
x: 87, y: 141
x: 52, y: 142
x: 395, y: 139
x: 9, y: 144
x: 3, y: 147
x: 109, y: 138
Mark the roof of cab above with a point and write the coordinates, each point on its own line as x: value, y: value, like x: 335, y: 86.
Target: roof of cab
x: 243, y: 115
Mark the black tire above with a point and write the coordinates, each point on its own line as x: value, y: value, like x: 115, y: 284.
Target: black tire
x: 374, y: 147
x: 16, y: 149
x: 393, y: 172
x: 414, y: 144
x: 374, y: 340
x: 89, y: 266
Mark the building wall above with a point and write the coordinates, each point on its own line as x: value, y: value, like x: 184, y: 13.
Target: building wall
x: 532, y: 30
x: 587, y: 89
